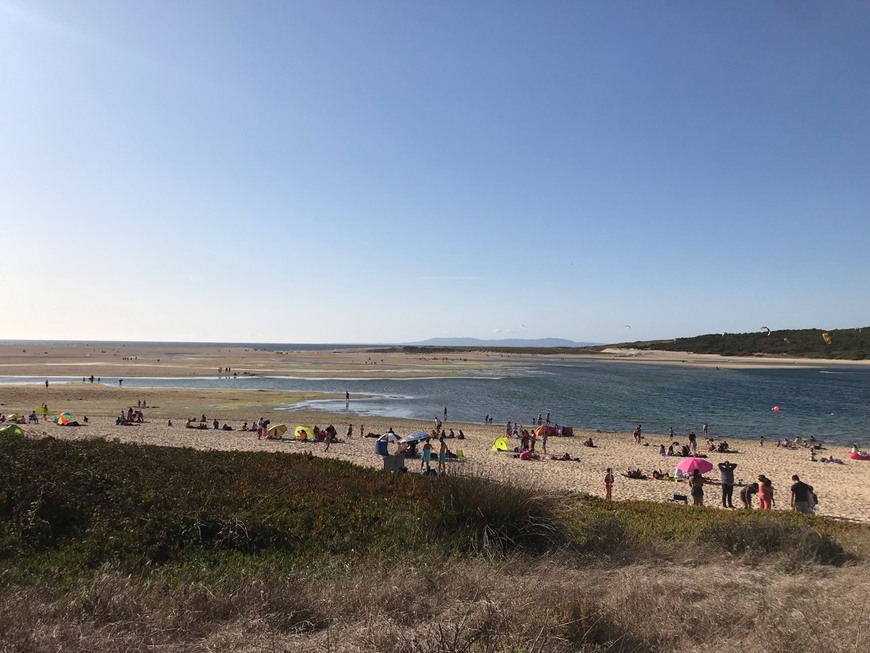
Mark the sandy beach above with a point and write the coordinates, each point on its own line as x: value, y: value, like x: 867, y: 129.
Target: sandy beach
x: 843, y: 490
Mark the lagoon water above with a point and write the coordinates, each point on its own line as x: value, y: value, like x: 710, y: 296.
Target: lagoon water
x: 832, y: 404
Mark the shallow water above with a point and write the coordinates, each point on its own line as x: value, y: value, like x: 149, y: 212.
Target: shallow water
x: 832, y: 404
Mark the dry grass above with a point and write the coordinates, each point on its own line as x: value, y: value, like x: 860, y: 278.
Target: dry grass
x: 469, y: 606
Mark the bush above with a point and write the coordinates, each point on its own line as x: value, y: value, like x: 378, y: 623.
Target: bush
x: 800, y: 543
x: 477, y: 515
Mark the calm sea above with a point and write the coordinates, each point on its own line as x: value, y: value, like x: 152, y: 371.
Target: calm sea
x: 832, y: 403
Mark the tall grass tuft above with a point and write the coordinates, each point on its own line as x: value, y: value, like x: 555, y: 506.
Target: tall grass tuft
x: 480, y: 516
x: 768, y: 536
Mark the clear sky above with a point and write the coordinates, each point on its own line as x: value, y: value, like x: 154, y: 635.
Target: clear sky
x: 293, y: 171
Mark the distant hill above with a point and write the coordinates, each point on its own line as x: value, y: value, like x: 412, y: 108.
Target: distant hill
x: 839, y: 344
x: 507, y: 342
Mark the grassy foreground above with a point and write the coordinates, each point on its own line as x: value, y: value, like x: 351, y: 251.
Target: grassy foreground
x: 119, y: 547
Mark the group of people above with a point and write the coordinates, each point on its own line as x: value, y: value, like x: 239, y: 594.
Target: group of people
x: 130, y: 417
x: 803, y: 497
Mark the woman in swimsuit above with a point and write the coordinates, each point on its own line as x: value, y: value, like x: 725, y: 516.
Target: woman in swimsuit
x: 696, y: 483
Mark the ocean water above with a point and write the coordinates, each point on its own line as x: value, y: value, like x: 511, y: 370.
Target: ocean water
x: 830, y: 403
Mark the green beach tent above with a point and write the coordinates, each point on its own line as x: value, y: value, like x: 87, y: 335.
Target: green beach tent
x: 500, y: 444
x: 11, y: 429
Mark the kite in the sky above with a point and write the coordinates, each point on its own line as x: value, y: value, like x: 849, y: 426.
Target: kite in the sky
x: 765, y: 331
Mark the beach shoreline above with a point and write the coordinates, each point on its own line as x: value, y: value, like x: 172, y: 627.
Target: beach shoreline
x: 843, y: 490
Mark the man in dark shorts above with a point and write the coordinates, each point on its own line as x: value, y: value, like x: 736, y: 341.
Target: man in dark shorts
x: 726, y: 477
x: 801, y: 496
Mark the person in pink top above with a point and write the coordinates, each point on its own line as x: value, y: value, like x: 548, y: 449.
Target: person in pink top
x: 765, y: 493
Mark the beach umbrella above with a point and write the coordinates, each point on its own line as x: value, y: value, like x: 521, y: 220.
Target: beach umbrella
x: 63, y: 419
x: 275, y: 431
x: 688, y: 465
x: 545, y: 428
x: 303, y: 432
x: 416, y: 437
x: 389, y: 437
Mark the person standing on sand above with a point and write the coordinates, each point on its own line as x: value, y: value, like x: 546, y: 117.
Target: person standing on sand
x: 349, y: 433
x: 726, y: 471
x: 426, y: 463
x: 765, y: 493
x: 705, y: 430
x: 442, y: 456
x: 801, y: 496
x: 638, y: 434
x: 608, y: 484
x: 696, y: 485
x: 693, y: 442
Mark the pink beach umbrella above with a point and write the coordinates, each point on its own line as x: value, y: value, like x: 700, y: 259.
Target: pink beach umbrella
x: 688, y: 465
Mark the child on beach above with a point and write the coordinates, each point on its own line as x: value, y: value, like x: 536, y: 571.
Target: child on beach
x: 608, y: 484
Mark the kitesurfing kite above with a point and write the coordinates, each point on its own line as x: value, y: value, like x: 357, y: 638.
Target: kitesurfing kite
x: 765, y: 331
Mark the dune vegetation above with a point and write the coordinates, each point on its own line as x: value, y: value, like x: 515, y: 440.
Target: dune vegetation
x: 117, y: 547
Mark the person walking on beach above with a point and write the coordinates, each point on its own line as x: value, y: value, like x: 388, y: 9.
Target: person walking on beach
x: 442, y: 456
x: 705, y: 430
x: 726, y: 476
x: 349, y: 433
x: 693, y: 442
x: 696, y: 485
x: 638, y: 434
x: 801, y: 496
x: 765, y: 493
x: 608, y: 484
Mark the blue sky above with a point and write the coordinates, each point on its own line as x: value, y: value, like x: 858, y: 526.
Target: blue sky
x: 394, y: 171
